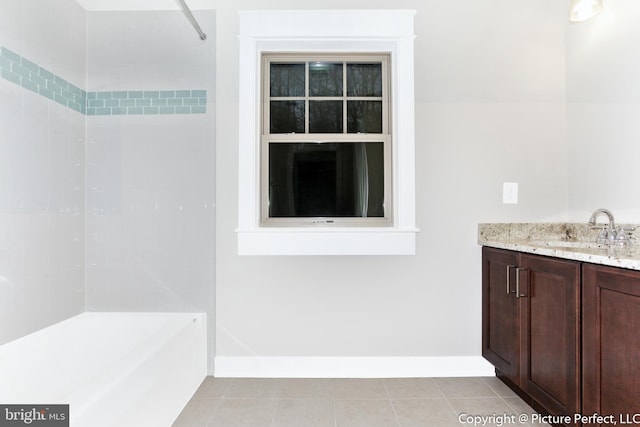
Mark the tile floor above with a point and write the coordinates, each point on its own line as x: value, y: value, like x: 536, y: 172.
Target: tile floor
x: 402, y: 402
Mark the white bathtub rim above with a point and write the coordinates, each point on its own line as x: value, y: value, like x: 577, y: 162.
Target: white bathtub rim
x: 19, y: 391
x: 139, y: 354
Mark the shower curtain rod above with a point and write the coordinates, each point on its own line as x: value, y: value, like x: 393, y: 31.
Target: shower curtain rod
x: 192, y: 19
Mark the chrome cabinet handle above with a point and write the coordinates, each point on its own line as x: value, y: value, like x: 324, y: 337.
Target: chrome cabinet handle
x: 509, y: 267
x: 518, y: 294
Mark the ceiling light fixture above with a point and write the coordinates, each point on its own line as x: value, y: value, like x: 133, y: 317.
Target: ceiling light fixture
x: 583, y: 10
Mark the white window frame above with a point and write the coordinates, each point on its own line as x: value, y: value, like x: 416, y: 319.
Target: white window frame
x: 384, y: 137
x: 326, y: 31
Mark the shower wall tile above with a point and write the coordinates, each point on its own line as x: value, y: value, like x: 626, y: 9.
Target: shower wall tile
x: 38, y: 31
x: 151, y: 213
x: 31, y: 76
x: 11, y: 150
x: 11, y: 22
x: 149, y: 51
x: 42, y: 168
x: 151, y: 177
x: 88, y: 118
x: 21, y: 71
x: 147, y: 102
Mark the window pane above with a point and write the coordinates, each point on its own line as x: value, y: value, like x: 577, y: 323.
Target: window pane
x: 326, y: 180
x: 364, y: 79
x: 364, y: 116
x: 287, y: 116
x: 325, y: 117
x: 287, y: 79
x: 325, y: 79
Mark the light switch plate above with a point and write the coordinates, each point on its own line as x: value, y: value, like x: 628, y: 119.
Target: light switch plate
x: 510, y: 193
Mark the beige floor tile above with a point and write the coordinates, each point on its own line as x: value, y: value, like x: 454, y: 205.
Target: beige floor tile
x: 358, y: 389
x: 365, y: 413
x: 403, y: 388
x: 499, y: 387
x: 211, y: 388
x: 425, y: 413
x: 197, y: 413
x: 243, y: 413
x: 252, y: 388
x: 405, y: 402
x: 304, y: 412
x: 465, y: 387
x: 306, y: 388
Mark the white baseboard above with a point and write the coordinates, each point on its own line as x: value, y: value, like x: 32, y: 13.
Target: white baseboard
x: 352, y: 367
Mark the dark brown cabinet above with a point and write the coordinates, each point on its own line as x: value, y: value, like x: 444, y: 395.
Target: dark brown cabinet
x: 550, y: 316
x: 611, y: 343
x: 531, y: 326
x: 565, y: 335
x: 500, y: 312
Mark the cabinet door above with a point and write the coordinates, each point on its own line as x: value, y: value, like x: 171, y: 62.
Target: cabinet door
x: 611, y: 342
x: 550, y: 346
x: 499, y: 311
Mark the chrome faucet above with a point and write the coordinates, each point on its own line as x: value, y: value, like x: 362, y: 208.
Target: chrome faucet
x: 610, y: 234
x: 597, y: 213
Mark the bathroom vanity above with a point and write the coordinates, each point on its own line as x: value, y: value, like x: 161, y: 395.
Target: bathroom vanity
x: 561, y: 319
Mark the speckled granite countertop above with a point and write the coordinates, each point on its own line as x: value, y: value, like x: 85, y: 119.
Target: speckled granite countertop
x: 561, y: 240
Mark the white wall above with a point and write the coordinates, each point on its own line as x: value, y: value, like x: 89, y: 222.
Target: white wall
x: 150, y: 178
x: 490, y: 92
x: 491, y: 107
x: 603, y: 66
x: 41, y: 171
x: 150, y: 182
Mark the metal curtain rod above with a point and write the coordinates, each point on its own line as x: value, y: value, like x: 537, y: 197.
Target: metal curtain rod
x: 192, y: 19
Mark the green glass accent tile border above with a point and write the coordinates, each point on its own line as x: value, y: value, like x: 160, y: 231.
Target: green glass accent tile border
x: 31, y: 76
x: 136, y: 102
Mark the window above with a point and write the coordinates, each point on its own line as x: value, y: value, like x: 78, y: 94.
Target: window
x: 326, y: 143
x: 351, y: 148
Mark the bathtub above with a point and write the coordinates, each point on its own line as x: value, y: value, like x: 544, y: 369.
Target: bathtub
x: 113, y: 369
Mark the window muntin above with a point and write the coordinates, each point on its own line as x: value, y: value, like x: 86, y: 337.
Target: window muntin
x: 326, y: 143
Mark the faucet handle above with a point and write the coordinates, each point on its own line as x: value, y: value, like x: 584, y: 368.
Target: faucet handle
x: 624, y: 236
x: 627, y: 232
x: 605, y: 237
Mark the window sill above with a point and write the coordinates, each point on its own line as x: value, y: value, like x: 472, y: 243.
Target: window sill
x: 313, y: 241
